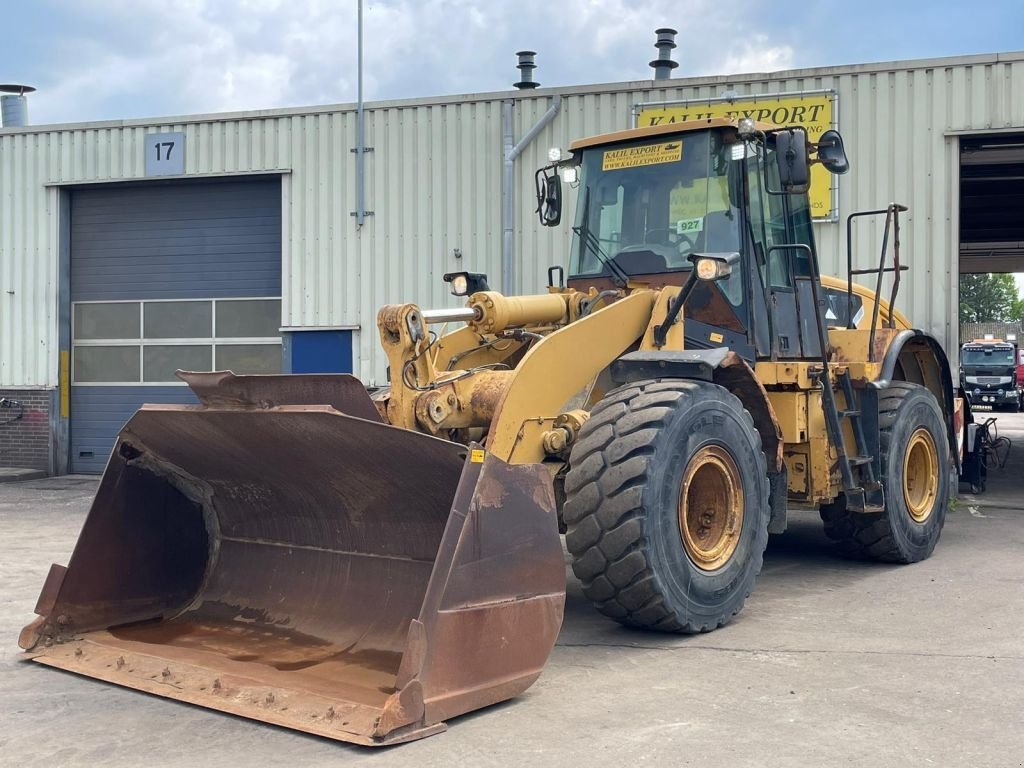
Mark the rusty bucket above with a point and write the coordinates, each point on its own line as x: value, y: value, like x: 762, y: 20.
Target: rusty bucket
x: 278, y: 552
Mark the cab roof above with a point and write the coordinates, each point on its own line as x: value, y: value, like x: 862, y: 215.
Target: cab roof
x: 667, y: 129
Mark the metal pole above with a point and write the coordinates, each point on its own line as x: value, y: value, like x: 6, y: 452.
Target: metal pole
x: 360, y: 123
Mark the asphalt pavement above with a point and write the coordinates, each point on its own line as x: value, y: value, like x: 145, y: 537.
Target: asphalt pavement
x: 832, y: 663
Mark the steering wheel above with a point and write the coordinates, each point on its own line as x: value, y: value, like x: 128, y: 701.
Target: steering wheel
x: 684, y: 243
x: 671, y: 235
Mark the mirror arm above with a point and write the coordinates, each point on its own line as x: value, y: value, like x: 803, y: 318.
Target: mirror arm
x: 661, y: 331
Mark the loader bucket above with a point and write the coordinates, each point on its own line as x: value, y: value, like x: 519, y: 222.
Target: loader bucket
x: 306, y: 567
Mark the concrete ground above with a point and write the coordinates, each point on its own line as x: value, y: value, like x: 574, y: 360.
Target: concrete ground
x: 832, y: 662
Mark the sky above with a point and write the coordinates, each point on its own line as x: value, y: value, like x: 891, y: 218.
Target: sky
x: 115, y: 59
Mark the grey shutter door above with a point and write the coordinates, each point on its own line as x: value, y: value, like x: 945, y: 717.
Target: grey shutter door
x: 194, y: 240
x: 176, y: 241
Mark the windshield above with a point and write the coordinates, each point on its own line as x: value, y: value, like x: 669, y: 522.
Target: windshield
x: 648, y: 205
x: 991, y: 356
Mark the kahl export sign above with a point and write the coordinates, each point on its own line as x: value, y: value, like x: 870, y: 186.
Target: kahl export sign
x: 812, y: 111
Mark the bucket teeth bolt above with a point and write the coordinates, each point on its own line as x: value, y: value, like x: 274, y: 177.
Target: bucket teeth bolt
x: 216, y: 684
x: 120, y: 662
x: 166, y: 672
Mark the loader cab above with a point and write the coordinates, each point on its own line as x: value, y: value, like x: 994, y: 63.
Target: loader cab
x: 651, y: 200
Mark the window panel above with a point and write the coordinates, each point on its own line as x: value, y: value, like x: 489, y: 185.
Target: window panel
x: 107, y: 321
x: 249, y: 358
x: 259, y: 318
x: 179, y: 319
x: 100, y: 364
x: 160, y: 361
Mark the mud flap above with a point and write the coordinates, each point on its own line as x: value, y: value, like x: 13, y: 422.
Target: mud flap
x: 304, y: 567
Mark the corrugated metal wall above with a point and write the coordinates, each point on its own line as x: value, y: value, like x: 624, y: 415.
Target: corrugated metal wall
x: 434, y: 185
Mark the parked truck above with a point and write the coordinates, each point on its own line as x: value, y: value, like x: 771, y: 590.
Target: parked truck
x: 989, y: 373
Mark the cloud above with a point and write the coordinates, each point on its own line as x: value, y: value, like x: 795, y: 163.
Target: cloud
x: 757, y: 55
x: 134, y: 58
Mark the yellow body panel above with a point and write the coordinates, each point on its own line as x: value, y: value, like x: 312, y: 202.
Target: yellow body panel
x: 562, y: 367
x: 868, y: 297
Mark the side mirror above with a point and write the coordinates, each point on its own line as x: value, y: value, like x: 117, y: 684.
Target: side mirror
x: 832, y: 154
x: 549, y: 197
x: 792, y: 160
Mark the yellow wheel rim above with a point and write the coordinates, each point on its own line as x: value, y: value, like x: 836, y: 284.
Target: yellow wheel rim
x: 710, y: 508
x: 921, y: 475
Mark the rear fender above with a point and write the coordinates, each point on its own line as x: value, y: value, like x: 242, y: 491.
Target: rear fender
x: 916, y: 357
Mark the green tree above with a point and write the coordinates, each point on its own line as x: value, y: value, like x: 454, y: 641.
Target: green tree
x: 988, y: 298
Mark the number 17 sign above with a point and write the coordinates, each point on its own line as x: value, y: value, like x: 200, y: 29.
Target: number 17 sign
x: 165, y: 154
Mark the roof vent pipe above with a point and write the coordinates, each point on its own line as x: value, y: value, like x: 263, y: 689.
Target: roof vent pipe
x: 14, y: 105
x: 663, y: 65
x: 526, y: 66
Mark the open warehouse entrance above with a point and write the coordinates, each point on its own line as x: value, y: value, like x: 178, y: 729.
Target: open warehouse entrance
x: 991, y: 309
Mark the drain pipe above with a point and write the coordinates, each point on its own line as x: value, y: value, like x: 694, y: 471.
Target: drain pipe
x: 510, y: 151
x: 360, y: 212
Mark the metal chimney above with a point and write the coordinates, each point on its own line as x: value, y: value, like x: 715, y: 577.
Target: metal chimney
x: 526, y: 66
x: 663, y: 65
x: 14, y: 105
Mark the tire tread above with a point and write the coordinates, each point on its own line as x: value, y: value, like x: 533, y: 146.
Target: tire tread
x: 605, y: 484
x: 871, y: 536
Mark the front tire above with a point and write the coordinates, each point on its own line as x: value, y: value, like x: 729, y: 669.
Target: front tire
x: 914, y: 458
x: 667, y: 505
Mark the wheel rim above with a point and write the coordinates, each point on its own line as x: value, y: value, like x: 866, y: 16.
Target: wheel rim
x: 710, y: 508
x: 921, y: 475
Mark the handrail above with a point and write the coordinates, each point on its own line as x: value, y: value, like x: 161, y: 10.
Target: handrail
x: 892, y: 222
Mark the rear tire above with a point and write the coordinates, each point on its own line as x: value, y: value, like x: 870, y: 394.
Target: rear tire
x: 667, y: 505
x: 914, y: 458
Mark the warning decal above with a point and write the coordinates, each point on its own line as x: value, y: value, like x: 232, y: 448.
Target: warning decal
x: 648, y: 154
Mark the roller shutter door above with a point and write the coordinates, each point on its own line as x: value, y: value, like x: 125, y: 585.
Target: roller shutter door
x: 165, y: 276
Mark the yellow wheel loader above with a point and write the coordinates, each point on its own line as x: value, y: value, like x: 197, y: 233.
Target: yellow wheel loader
x: 363, y: 568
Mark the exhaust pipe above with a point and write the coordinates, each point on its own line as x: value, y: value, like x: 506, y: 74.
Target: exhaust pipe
x: 14, y: 105
x: 665, y: 43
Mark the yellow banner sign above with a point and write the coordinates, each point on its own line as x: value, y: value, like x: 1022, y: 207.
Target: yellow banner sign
x: 648, y: 154
x: 813, y: 112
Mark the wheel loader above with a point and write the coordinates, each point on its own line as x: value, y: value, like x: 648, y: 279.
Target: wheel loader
x: 297, y: 551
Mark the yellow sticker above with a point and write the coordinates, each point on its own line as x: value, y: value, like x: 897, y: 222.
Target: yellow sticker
x: 647, y: 154
x: 64, y: 379
x: 717, y: 338
x: 477, y: 455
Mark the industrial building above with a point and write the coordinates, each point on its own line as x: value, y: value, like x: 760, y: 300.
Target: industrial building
x: 252, y: 241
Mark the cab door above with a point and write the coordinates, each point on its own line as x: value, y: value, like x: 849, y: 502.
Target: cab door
x: 780, y: 253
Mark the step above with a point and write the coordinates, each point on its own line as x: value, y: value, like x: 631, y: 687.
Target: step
x: 17, y: 474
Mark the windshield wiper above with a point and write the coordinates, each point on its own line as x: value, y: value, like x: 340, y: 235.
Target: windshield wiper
x: 619, y: 276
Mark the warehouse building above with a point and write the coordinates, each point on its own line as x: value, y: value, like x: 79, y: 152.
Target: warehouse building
x: 254, y: 242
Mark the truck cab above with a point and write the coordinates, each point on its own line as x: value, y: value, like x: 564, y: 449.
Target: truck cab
x: 988, y: 373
